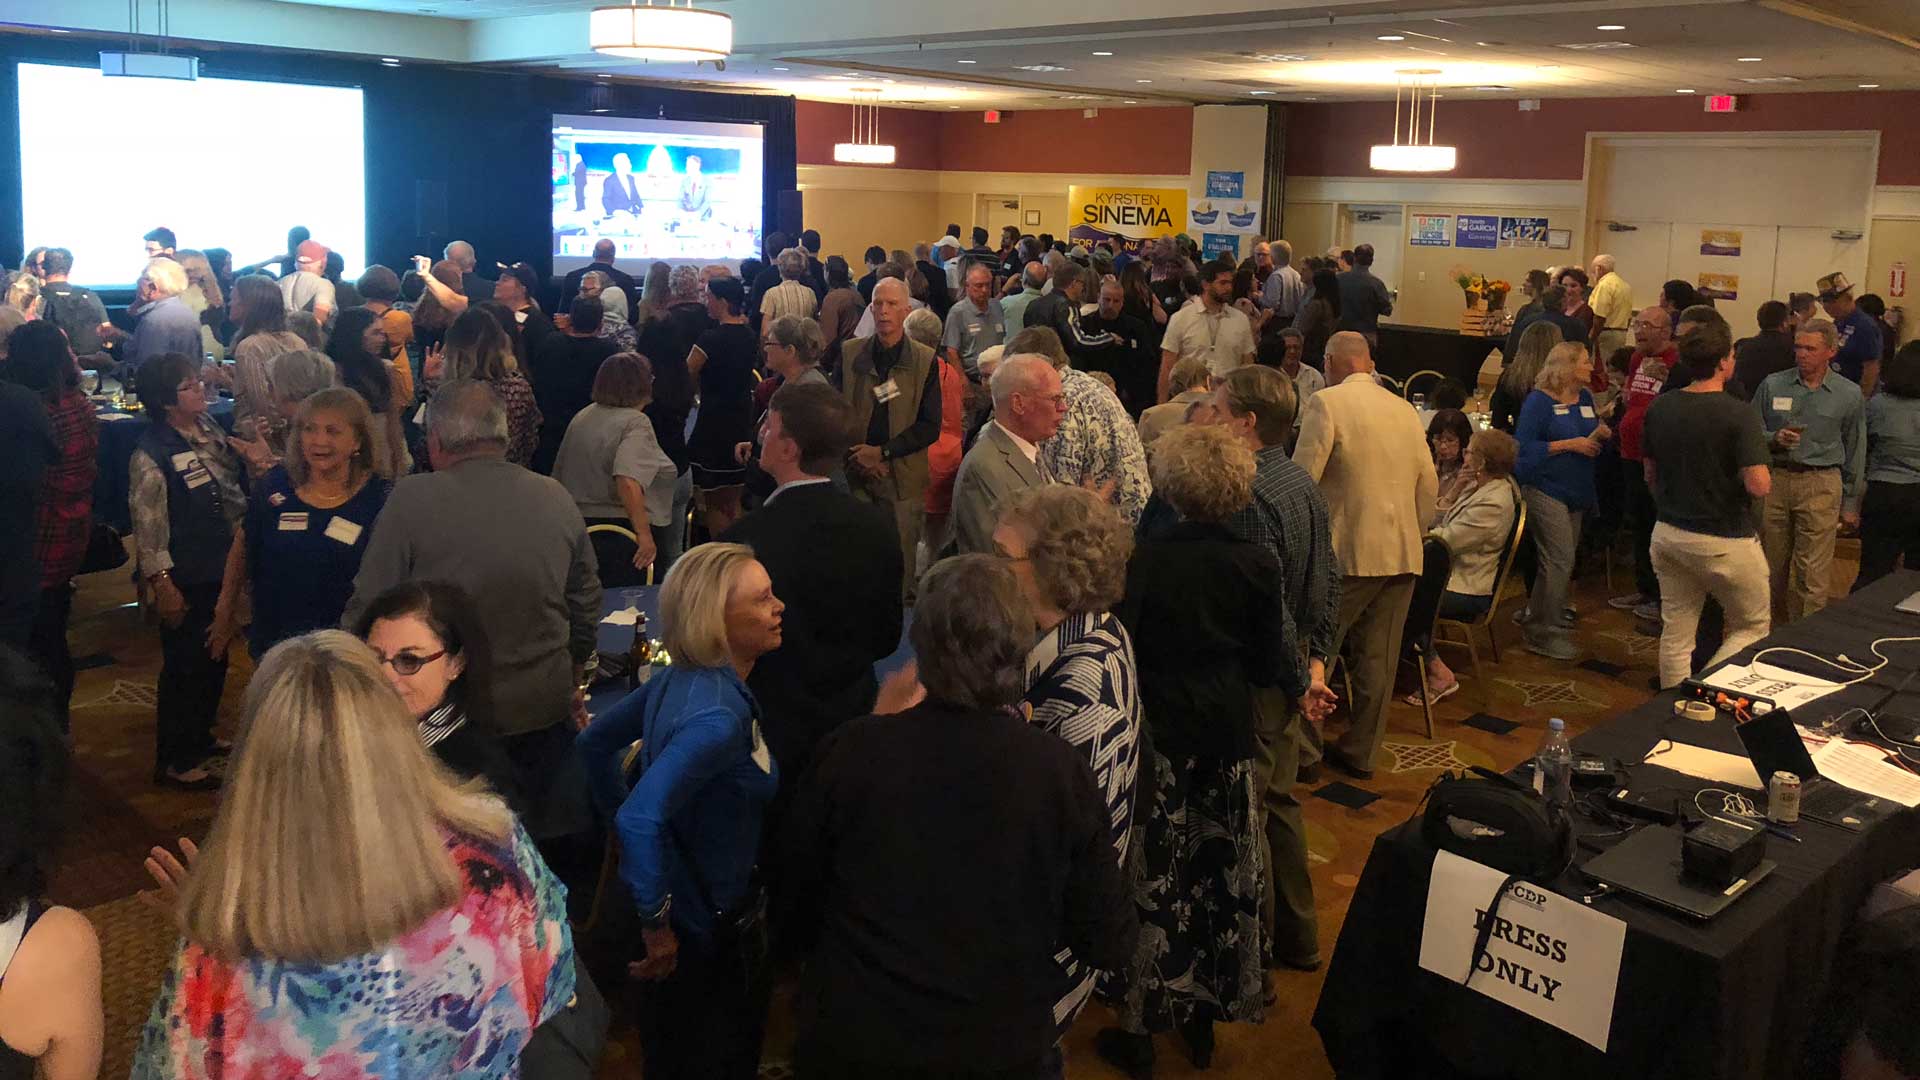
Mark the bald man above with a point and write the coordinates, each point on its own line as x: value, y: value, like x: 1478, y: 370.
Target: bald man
x: 472, y: 285
x: 1611, y: 299
x: 894, y: 387
x: 1364, y: 447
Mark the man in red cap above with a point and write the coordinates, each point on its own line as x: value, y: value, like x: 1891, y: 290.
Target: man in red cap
x: 307, y: 288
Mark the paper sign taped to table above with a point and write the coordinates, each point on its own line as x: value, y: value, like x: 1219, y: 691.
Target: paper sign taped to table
x: 1554, y: 959
x: 625, y: 617
x: 1786, y: 689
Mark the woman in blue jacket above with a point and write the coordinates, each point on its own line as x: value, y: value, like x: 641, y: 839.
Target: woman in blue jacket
x: 689, y: 828
x: 1560, y: 435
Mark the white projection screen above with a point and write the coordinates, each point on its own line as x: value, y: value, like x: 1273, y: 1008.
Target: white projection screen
x: 686, y: 192
x: 229, y: 163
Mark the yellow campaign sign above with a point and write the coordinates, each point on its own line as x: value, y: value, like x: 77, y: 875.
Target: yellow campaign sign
x: 1129, y: 216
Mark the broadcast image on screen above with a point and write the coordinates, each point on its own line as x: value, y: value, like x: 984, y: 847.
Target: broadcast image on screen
x: 105, y: 159
x: 659, y: 189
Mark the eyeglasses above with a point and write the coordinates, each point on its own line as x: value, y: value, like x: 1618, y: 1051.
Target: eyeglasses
x: 407, y: 663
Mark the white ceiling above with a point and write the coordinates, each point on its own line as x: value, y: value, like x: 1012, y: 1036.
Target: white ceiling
x: 912, y: 53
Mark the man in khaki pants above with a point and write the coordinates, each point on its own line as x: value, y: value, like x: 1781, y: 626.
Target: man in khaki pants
x: 1816, y: 422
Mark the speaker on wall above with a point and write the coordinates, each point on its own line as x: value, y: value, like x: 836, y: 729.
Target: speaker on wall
x: 786, y: 214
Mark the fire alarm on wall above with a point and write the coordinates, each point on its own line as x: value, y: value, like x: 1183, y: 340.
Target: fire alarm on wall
x: 991, y: 116
x: 1722, y: 103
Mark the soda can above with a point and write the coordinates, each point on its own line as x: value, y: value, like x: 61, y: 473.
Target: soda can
x: 1783, y: 799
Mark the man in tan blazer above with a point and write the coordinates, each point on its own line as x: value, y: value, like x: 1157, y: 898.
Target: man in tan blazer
x: 1364, y: 446
x: 1027, y: 406
x: 894, y: 387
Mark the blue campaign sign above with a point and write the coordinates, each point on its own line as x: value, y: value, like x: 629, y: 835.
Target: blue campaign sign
x: 1212, y: 244
x: 1226, y: 185
x: 1476, y: 231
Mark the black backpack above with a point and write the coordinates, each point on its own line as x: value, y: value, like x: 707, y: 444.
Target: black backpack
x: 1493, y: 820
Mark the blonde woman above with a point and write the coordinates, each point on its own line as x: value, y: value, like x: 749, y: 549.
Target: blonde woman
x: 308, y: 523
x: 1560, y: 435
x: 1522, y: 370
x: 356, y: 911
x: 689, y: 829
x: 203, y: 295
x: 477, y: 347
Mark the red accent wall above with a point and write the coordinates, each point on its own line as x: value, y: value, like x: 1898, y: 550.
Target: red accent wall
x: 1142, y: 141
x: 1498, y: 142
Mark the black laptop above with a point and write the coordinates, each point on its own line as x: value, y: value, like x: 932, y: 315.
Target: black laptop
x: 1647, y: 865
x: 1773, y: 744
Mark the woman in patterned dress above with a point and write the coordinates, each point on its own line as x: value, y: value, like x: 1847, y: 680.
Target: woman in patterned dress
x: 1207, y: 616
x: 356, y: 912
x: 1069, y: 550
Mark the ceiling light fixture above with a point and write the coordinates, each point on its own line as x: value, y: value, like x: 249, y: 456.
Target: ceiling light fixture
x: 966, y: 61
x: 1101, y: 52
x: 1869, y: 86
x: 1750, y: 59
x: 1143, y: 81
x: 1611, y: 26
x: 1418, y: 87
x: 865, y: 147
x: 782, y: 69
x: 1129, y: 101
x: 1683, y: 91
x: 1259, y: 93
x: 662, y: 31
x: 1041, y: 67
x: 394, y: 61
x: 1391, y: 37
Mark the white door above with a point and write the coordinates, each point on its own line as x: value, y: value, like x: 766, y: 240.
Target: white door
x: 1734, y: 264
x: 995, y: 211
x: 1380, y: 226
x: 1640, y: 255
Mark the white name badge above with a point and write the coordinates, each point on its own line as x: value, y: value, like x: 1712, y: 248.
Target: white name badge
x: 886, y: 392
x: 293, y: 521
x: 185, y: 460
x: 1547, y: 956
x: 1783, y: 404
x: 198, y: 477
x: 1586, y: 411
x: 1560, y: 410
x: 345, y: 531
x: 276, y: 499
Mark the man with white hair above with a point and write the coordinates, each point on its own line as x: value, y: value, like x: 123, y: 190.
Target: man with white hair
x: 472, y: 286
x: 793, y: 296
x: 1284, y: 290
x: 976, y: 323
x: 167, y: 324
x: 1611, y: 299
x: 620, y: 191
x: 893, y: 385
x: 1097, y: 445
x: 514, y: 541
x: 1028, y: 405
x: 1366, y: 450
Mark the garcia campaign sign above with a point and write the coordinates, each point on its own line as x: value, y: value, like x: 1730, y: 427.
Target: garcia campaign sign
x: 1131, y: 217
x: 1547, y: 956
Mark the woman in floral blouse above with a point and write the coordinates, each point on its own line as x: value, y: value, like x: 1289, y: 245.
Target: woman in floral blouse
x: 477, y: 348
x: 356, y: 912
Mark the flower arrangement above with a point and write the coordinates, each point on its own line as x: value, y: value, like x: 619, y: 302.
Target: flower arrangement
x: 1479, y: 287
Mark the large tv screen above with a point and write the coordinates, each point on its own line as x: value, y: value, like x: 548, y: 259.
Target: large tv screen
x: 674, y: 190
x: 228, y: 163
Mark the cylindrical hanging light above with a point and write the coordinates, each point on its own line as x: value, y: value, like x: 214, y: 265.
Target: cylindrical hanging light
x: 865, y: 147
x: 652, y: 31
x: 1414, y: 155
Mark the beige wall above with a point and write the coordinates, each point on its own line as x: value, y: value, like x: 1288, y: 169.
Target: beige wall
x: 1437, y: 301
x: 1895, y: 240
x: 849, y: 219
x: 1309, y: 227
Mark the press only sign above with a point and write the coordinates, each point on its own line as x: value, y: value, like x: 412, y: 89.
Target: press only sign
x: 1547, y: 956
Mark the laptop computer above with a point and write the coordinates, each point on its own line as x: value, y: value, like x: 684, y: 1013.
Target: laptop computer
x: 1647, y: 865
x: 1773, y: 744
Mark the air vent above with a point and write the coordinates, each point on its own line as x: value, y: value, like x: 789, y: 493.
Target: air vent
x: 1599, y: 46
x: 1041, y: 67
x: 1770, y: 79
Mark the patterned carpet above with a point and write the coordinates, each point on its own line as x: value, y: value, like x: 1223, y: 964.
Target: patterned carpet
x: 116, y: 814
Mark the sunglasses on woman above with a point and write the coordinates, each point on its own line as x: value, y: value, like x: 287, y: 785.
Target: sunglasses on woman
x: 408, y: 663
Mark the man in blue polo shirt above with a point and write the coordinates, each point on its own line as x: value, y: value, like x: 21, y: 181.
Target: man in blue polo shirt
x: 1859, y: 355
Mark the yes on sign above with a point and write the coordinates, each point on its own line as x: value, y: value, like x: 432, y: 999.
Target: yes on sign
x: 1549, y: 957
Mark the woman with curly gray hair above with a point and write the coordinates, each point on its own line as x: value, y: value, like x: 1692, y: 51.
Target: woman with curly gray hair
x: 1207, y: 614
x: 1069, y: 550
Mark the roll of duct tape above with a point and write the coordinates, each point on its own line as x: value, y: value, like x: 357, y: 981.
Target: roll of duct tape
x: 1694, y: 710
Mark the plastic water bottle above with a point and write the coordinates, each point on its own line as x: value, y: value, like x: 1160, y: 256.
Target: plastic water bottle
x: 1553, y: 766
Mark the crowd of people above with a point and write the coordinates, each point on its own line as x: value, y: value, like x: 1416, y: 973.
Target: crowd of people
x: 1131, y: 509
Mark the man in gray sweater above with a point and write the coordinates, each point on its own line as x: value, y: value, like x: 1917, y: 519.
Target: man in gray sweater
x: 515, y: 542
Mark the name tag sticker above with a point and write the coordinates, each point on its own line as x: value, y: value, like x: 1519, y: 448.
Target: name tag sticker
x: 885, y: 392
x: 185, y: 460
x: 276, y: 499
x: 1783, y: 404
x: 1560, y: 410
x: 1586, y: 411
x: 345, y: 531
x: 198, y: 478
x: 293, y: 521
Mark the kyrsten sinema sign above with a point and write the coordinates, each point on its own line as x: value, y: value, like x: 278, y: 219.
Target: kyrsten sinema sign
x: 1131, y: 217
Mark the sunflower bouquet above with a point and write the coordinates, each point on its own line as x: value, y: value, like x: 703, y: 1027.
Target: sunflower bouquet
x: 1481, y: 289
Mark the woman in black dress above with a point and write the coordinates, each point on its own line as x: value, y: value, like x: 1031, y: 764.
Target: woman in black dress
x: 722, y: 364
x: 434, y: 653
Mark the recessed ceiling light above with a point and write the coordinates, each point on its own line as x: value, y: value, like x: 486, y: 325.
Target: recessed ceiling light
x: 1041, y: 67
x: 600, y: 76
x: 388, y: 61
x: 1143, y: 80
x: 1611, y: 26
x: 1129, y: 101
x: 1259, y: 93
x: 1750, y: 59
x: 56, y: 30
x: 1869, y: 86
x: 1391, y: 37
x: 1101, y: 52
x: 966, y: 61
x: 782, y: 69
x: 1683, y: 91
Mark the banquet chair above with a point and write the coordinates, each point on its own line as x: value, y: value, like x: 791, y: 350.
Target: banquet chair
x: 623, y: 533
x: 1488, y: 622
x: 1413, y: 384
x: 1436, y: 566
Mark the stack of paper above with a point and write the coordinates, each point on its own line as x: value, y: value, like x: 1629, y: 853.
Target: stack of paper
x: 1865, y: 768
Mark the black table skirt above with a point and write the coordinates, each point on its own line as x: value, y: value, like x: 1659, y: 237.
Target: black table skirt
x: 1404, y: 350
x: 1731, y: 998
